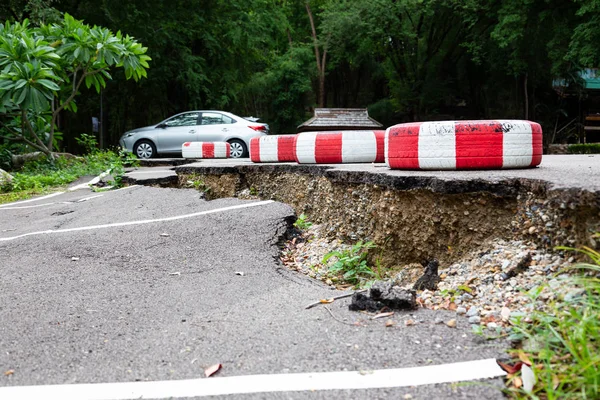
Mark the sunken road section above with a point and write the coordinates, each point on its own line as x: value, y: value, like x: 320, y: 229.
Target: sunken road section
x: 417, y: 215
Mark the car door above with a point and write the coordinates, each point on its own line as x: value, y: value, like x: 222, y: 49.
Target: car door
x: 215, y: 127
x: 175, y: 131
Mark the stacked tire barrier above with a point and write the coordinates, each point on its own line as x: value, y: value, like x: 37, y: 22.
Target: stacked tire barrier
x: 453, y: 145
x: 274, y: 148
x: 206, y: 150
x: 340, y: 147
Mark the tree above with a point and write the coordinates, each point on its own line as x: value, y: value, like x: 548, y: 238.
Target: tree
x: 44, y: 68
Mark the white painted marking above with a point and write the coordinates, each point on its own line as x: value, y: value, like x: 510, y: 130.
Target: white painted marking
x: 437, y: 145
x: 146, y: 221
x: 359, y: 146
x: 34, y: 206
x: 89, y: 198
x: 31, y: 200
x: 384, y: 378
x: 305, y: 147
x: 3, y: 207
x: 517, y: 146
x: 149, y: 172
x: 269, y: 146
x: 387, y: 147
x: 91, y: 182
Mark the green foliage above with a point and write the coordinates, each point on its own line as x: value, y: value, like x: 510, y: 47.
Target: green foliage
x: 302, y: 222
x: 38, y: 176
x: 88, y: 142
x: 567, y: 338
x: 196, y: 182
x: 351, y: 263
x: 584, y: 148
x: 43, y: 69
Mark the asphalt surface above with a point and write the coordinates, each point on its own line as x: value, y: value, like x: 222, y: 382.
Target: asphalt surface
x: 162, y: 300
x: 559, y: 171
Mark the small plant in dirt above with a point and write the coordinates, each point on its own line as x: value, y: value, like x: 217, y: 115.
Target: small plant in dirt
x: 197, y: 183
x: 302, y: 222
x: 562, y: 340
x: 351, y: 264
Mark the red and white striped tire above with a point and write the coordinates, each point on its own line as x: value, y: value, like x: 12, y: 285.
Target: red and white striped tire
x: 273, y: 148
x: 206, y: 150
x: 451, y: 145
x: 340, y: 147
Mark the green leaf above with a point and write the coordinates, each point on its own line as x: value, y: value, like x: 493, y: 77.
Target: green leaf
x: 48, y: 84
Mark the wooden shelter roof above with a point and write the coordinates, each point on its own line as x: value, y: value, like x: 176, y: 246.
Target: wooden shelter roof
x: 335, y: 119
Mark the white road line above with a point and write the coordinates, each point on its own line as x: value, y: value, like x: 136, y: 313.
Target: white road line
x: 31, y: 200
x: 91, y: 182
x: 383, y: 378
x: 50, y: 204
x: 150, y: 172
x: 5, y: 206
x: 34, y: 206
x: 146, y: 221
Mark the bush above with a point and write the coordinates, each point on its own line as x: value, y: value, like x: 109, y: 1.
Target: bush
x: 587, y: 148
x: 39, y: 175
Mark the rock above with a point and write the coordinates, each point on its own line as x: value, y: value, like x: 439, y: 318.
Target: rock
x: 505, y: 313
x: 466, y: 297
x: 430, y: 278
x: 492, y: 326
x: 461, y: 310
x: 393, y: 296
x: 451, y: 323
x: 472, y: 312
x: 384, y: 294
x: 475, y: 319
x: 5, y: 178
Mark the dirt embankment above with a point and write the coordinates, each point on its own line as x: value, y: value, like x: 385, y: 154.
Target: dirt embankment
x: 415, y: 218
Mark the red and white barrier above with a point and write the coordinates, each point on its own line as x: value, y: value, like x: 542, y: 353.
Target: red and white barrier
x: 206, y: 150
x: 340, y: 147
x: 449, y: 145
x: 273, y: 148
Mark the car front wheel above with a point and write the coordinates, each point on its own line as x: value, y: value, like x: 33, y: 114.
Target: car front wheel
x: 144, y: 149
x: 238, y: 149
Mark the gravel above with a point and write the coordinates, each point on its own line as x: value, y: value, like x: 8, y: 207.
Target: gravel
x: 474, y: 286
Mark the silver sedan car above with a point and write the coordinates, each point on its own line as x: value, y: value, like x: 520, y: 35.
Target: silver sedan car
x: 168, y: 136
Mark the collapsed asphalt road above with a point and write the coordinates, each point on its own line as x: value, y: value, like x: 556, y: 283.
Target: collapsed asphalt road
x: 148, y: 284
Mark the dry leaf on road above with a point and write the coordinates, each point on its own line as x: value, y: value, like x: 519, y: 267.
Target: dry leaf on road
x: 9, y: 372
x: 210, y: 371
x: 528, y: 378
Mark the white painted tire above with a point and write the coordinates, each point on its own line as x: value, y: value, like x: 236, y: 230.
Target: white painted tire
x: 340, y: 147
x: 206, y: 150
x: 453, y: 145
x: 273, y: 148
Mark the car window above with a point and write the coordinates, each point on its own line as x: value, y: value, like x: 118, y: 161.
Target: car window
x: 209, y: 118
x: 186, y: 119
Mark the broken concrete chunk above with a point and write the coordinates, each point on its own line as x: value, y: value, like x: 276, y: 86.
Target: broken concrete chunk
x: 384, y: 294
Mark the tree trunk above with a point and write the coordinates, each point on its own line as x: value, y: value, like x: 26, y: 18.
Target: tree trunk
x: 526, y: 93
x: 320, y: 62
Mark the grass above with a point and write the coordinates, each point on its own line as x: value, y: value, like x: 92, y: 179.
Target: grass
x: 302, y: 222
x: 351, y: 264
x: 563, y: 339
x: 39, y: 177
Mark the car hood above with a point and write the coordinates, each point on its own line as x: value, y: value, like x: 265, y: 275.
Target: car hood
x: 136, y: 130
